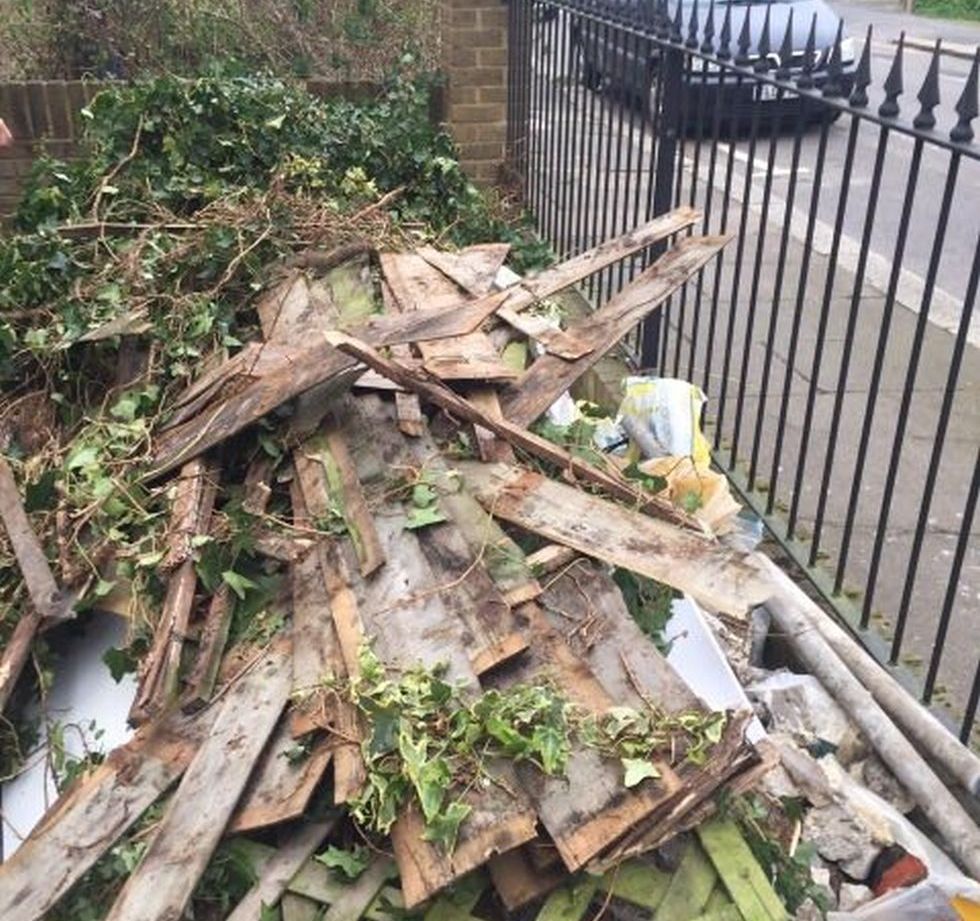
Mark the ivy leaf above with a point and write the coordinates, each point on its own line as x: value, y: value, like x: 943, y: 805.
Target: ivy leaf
x: 443, y: 829
x: 237, y: 583
x: 423, y: 517
x: 119, y: 662
x: 423, y: 495
x: 350, y: 863
x: 552, y: 745
x: 637, y: 770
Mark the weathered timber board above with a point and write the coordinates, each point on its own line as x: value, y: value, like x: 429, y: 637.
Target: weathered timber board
x: 586, y: 605
x: 196, y: 816
x: 550, y: 375
x: 589, y: 809
x: 416, y: 284
x: 690, y: 887
x: 434, y: 392
x: 45, y: 595
x: 95, y: 812
x: 280, y: 867
x: 404, y: 613
x: 474, y: 269
x: 718, y: 577
x: 321, y: 364
x: 280, y: 787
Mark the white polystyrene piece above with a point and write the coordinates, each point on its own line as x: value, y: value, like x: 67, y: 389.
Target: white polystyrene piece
x: 696, y: 656
x: 83, y: 691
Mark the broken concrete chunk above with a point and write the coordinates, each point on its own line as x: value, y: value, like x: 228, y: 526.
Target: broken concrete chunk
x: 841, y: 837
x: 878, y: 779
x: 853, y: 895
x: 799, y: 705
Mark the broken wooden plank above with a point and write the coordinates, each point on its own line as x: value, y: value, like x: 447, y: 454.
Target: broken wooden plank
x: 548, y: 336
x: 404, y: 610
x: 282, y: 782
x: 96, y: 811
x: 612, y: 481
x: 414, y: 283
x: 48, y: 600
x: 473, y: 269
x: 550, y: 376
x: 638, y: 883
x: 320, y: 364
x: 162, y: 885
x: 280, y: 867
x: 720, y: 578
x: 550, y: 558
x: 589, y: 809
x: 17, y: 651
x: 490, y: 447
x: 160, y: 671
x: 210, y: 647
x: 410, y: 419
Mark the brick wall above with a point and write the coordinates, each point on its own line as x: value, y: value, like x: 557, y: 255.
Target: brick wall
x: 475, y: 62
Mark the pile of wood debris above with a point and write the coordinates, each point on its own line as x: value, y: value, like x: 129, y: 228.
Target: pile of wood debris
x: 425, y: 576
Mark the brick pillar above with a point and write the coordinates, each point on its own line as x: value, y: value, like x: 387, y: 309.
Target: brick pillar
x: 475, y: 62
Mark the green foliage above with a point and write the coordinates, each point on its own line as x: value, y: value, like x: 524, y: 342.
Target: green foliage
x: 351, y: 863
x: 348, y: 39
x: 649, y: 603
x: 759, y: 820
x: 430, y: 742
x: 949, y: 9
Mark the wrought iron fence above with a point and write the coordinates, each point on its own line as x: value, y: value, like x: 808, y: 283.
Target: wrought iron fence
x: 836, y: 337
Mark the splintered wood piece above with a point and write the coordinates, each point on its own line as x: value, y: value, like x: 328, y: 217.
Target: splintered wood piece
x: 475, y: 598
x: 553, y: 340
x: 550, y: 558
x: 280, y: 867
x: 188, y: 514
x: 16, y: 653
x: 491, y: 447
x: 612, y: 481
x: 287, y: 314
x: 404, y: 608
x: 46, y: 597
x: 321, y: 364
x: 281, y: 784
x: 95, y: 812
x: 196, y: 816
x: 321, y: 599
x: 474, y: 269
x: 160, y: 678
x: 210, y: 648
x: 587, y: 606
x: 410, y: 420
x: 718, y: 577
x: 414, y: 284
x: 550, y: 376
x: 589, y: 809
x: 518, y: 878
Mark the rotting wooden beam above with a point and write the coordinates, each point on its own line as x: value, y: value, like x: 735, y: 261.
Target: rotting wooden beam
x: 433, y: 391
x: 720, y: 578
x: 320, y: 364
x: 51, y: 603
x: 550, y: 375
x: 196, y: 815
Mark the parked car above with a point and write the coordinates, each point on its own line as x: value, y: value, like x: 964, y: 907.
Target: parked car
x: 613, y: 57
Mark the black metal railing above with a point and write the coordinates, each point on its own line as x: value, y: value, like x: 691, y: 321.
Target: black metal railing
x: 836, y: 335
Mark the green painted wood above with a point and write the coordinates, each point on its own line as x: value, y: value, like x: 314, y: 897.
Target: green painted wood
x: 390, y: 897
x: 690, y: 887
x: 740, y: 872
x: 637, y: 883
x: 457, y: 903
x: 718, y: 899
x: 570, y: 902
x: 722, y: 913
x: 355, y: 896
